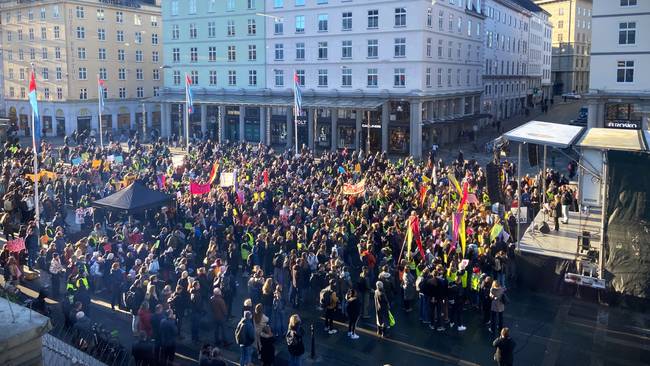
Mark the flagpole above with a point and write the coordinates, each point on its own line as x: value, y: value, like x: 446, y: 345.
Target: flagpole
x: 187, y: 116
x: 295, y: 126
x: 37, y: 209
x: 99, y: 107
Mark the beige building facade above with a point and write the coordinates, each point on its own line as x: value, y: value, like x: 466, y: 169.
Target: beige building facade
x: 571, y: 20
x: 70, y: 44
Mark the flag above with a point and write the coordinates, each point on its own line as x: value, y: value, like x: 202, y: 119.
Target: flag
x: 162, y: 181
x: 452, y: 180
x: 196, y: 188
x: 413, y: 231
x: 423, y: 194
x: 34, y: 103
x: 463, y: 199
x: 213, y: 172
x: 16, y: 245
x: 458, y: 217
x: 100, y: 94
x: 188, y: 94
x: 496, y: 230
x: 463, y: 233
x: 297, y: 95
x: 265, y: 177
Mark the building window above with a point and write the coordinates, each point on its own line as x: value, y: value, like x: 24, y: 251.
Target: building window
x: 400, y: 17
x: 59, y: 93
x: 346, y: 49
x: 279, y: 78
x: 46, y: 73
x: 322, y: 22
x: 81, y: 33
x: 43, y: 33
x: 139, y: 75
x: 230, y: 5
x: 232, y: 77
x: 193, y: 31
x: 120, y: 36
x: 627, y: 33
x: 322, y: 50
x: 156, y: 74
x: 101, y: 53
x: 194, y: 77
x: 251, y: 4
x: 322, y: 77
x: 399, y: 77
x: 230, y: 26
x: 176, y: 55
x: 625, y: 72
x: 154, y: 56
x: 427, y: 77
x: 278, y: 27
x: 122, y: 93
x: 429, y: 47
x: 81, y: 53
x: 83, y: 93
x: 560, y: 24
x: 46, y: 93
x: 300, y: 24
x: 42, y: 13
x: 252, y: 52
x: 212, y: 53
x: 194, y: 54
x: 373, y: 19
x: 252, y: 28
x: 156, y: 91
x: 154, y: 39
x: 212, y: 29
x: 139, y: 91
x: 232, y: 53
x: 44, y: 53
x: 628, y: 2
x: 176, y: 75
x: 439, y: 77
x: 300, y: 51
x: 32, y: 54
x: 346, y: 77
x: 400, y: 47
x: 213, y: 78
x: 176, y: 32
x: 154, y: 21
x: 121, y: 74
x: 301, y: 77
x: 279, y: 52
x: 346, y: 21
x: 59, y: 73
x: 137, y: 19
x: 138, y: 37
x: 101, y: 34
x: 80, y: 12
x: 372, y: 78
x: 192, y: 7
x: 373, y: 48
x: 278, y: 3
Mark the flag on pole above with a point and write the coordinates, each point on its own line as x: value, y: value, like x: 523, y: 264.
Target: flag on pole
x: 213, y: 172
x: 100, y: 94
x: 413, y: 232
x: 297, y: 95
x: 33, y: 101
x: 188, y: 94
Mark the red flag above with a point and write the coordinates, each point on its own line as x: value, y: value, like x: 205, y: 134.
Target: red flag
x: 213, y: 172
x: 463, y: 200
x: 265, y: 176
x: 423, y: 193
x: 16, y: 245
x: 196, y: 188
x: 415, y: 229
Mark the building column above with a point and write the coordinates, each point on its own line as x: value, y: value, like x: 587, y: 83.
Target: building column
x: 385, y: 119
x: 289, y: 128
x: 334, y: 130
x: 113, y: 122
x: 242, y: 121
x: 267, y: 127
x: 204, y: 119
x: 263, y: 125
x: 132, y: 119
x: 416, y: 130
x: 221, y: 119
x: 357, y: 134
x: 311, y: 120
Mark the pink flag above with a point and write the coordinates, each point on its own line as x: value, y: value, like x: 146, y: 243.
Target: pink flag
x: 196, y: 188
x: 471, y: 198
x: 16, y: 245
x: 458, y: 216
x: 240, y: 197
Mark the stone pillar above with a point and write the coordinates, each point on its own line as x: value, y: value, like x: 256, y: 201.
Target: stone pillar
x: 221, y: 121
x: 267, y: 127
x: 416, y: 130
x: 290, y: 126
x: 385, y: 119
x: 357, y: 134
x: 113, y: 122
x: 311, y: 120
x: 592, y: 117
x: 204, y: 119
x: 132, y: 119
x: 242, y: 121
x: 334, y: 132
x: 164, y: 119
x: 263, y: 125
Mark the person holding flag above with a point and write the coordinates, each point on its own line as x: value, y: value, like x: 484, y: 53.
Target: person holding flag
x: 297, y: 105
x: 36, y: 138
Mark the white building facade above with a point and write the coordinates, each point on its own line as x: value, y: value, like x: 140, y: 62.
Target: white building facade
x: 506, y: 65
x: 540, y: 52
x: 619, y: 94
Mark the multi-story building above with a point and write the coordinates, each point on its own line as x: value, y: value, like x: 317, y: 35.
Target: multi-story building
x: 402, y: 76
x: 506, y: 71
x: 571, y: 21
x: 619, y: 94
x: 70, y: 44
x: 540, y: 32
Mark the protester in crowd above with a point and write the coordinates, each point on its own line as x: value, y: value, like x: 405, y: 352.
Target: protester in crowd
x: 497, y: 296
x: 143, y: 351
x: 505, y: 346
x: 261, y: 321
x: 328, y: 301
x: 267, y: 348
x: 245, y: 338
x: 353, y: 310
x: 219, y: 314
x: 294, y: 339
x: 168, y: 332
x: 382, y: 307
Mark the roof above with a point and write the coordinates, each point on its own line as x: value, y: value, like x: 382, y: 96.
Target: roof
x: 135, y: 197
x: 545, y: 133
x: 528, y: 4
x: 615, y: 139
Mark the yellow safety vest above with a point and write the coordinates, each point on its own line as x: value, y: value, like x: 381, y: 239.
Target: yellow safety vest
x: 451, y: 276
x: 84, y: 281
x: 70, y: 286
x: 463, y: 279
x: 476, y: 281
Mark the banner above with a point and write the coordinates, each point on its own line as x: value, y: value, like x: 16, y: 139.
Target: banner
x: 16, y: 245
x: 42, y: 174
x: 458, y: 217
x: 96, y: 164
x: 227, y: 179
x: 355, y: 189
x: 76, y: 161
x: 196, y: 188
x: 496, y: 230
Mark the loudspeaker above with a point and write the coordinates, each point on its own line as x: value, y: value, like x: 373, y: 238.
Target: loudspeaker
x: 585, y: 241
x: 544, y: 228
x: 533, y: 156
x: 493, y: 183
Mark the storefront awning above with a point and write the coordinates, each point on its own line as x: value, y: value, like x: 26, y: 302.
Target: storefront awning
x: 364, y: 103
x: 545, y: 133
x: 615, y: 139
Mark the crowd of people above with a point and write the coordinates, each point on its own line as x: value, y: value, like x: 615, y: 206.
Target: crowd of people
x: 287, y: 234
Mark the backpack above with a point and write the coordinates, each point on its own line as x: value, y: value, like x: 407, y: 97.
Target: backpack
x: 278, y: 260
x: 129, y: 299
x: 240, y: 334
x: 296, y: 347
x: 325, y: 297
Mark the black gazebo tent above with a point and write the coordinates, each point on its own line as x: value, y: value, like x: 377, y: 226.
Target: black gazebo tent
x: 134, y: 198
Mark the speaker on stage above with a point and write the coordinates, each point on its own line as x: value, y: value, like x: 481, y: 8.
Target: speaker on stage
x: 533, y: 154
x: 544, y: 228
x: 492, y: 180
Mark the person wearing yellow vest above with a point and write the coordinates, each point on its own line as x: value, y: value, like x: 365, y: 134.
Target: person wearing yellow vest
x: 475, y: 283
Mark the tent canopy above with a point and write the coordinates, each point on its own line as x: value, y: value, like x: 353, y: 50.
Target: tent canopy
x: 545, y: 133
x: 135, y: 197
x: 613, y: 139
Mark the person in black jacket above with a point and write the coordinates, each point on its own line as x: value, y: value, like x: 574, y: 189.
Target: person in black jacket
x: 168, y: 331
x: 295, y: 344
x: 353, y: 310
x: 504, y: 355
x: 143, y: 351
